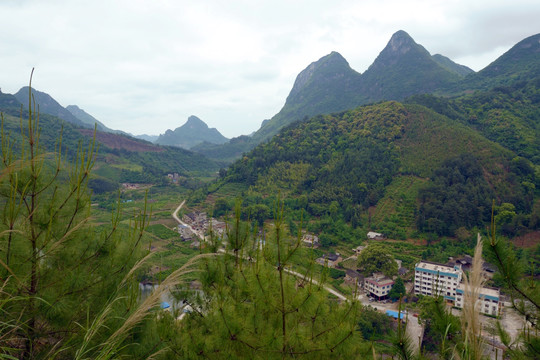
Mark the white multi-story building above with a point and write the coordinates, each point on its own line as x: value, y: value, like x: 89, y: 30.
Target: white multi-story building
x: 488, y: 300
x: 434, y: 279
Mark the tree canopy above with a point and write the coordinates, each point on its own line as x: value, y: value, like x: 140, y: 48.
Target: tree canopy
x: 377, y: 258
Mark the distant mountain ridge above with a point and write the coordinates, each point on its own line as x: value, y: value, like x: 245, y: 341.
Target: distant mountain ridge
x: 520, y: 63
x: 330, y: 85
x: 402, y: 69
x: 449, y: 65
x: 150, y: 138
x: 47, y: 105
x: 193, y: 132
x: 87, y: 118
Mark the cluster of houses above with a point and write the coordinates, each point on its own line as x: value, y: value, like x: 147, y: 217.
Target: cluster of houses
x: 132, y: 186
x: 174, y: 177
x: 430, y: 279
x: 200, y: 223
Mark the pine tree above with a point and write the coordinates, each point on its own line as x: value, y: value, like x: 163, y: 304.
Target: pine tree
x: 56, y: 270
x: 252, y: 307
x: 524, y: 296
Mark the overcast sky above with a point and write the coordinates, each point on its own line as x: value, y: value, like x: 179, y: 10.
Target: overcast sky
x: 144, y: 66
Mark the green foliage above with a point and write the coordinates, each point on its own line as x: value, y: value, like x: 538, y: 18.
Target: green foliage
x: 441, y: 327
x: 58, y: 273
x: 398, y: 289
x: 374, y: 325
x: 377, y: 258
x: 342, y: 158
x: 458, y: 196
x: 162, y: 232
x: 101, y: 185
x: 253, y: 308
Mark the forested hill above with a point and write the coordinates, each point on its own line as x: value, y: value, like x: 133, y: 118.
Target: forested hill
x: 508, y: 115
x: 380, y: 157
x: 120, y: 158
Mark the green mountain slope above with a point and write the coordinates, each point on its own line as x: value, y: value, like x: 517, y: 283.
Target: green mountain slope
x: 193, y: 132
x: 508, y: 115
x: 520, y: 63
x: 120, y: 158
x: 345, y: 163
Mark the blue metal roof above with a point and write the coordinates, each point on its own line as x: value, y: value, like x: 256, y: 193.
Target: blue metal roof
x: 395, y: 314
x: 165, y: 305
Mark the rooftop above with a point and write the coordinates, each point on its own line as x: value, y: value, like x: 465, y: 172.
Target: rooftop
x: 379, y: 281
x: 436, y: 267
x: 484, y: 291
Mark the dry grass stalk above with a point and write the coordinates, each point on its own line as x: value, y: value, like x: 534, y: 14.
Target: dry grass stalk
x: 114, y: 342
x: 470, y: 316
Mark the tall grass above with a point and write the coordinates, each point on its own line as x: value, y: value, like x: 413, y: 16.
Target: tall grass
x: 471, y: 327
x: 111, y: 347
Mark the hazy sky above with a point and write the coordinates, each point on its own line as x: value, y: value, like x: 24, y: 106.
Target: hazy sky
x: 144, y: 66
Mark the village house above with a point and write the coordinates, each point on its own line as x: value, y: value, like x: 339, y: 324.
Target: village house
x: 357, y: 250
x: 378, y: 285
x: 173, y: 177
x: 331, y: 259
x: 198, y: 221
x: 375, y: 236
x: 310, y: 240
x: 354, y: 278
x: 402, y: 271
x: 185, y: 232
x: 218, y: 227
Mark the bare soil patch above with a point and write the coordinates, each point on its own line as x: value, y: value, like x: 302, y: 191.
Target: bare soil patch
x: 529, y: 240
x: 115, y: 141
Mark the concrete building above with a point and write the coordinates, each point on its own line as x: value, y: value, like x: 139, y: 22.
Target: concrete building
x: 378, y: 285
x: 434, y: 279
x: 489, y: 300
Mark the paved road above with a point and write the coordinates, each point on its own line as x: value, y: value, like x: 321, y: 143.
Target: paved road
x: 175, y: 213
x: 175, y: 217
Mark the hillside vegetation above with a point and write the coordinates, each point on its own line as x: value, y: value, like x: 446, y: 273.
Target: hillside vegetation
x: 121, y: 158
x: 392, y: 156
